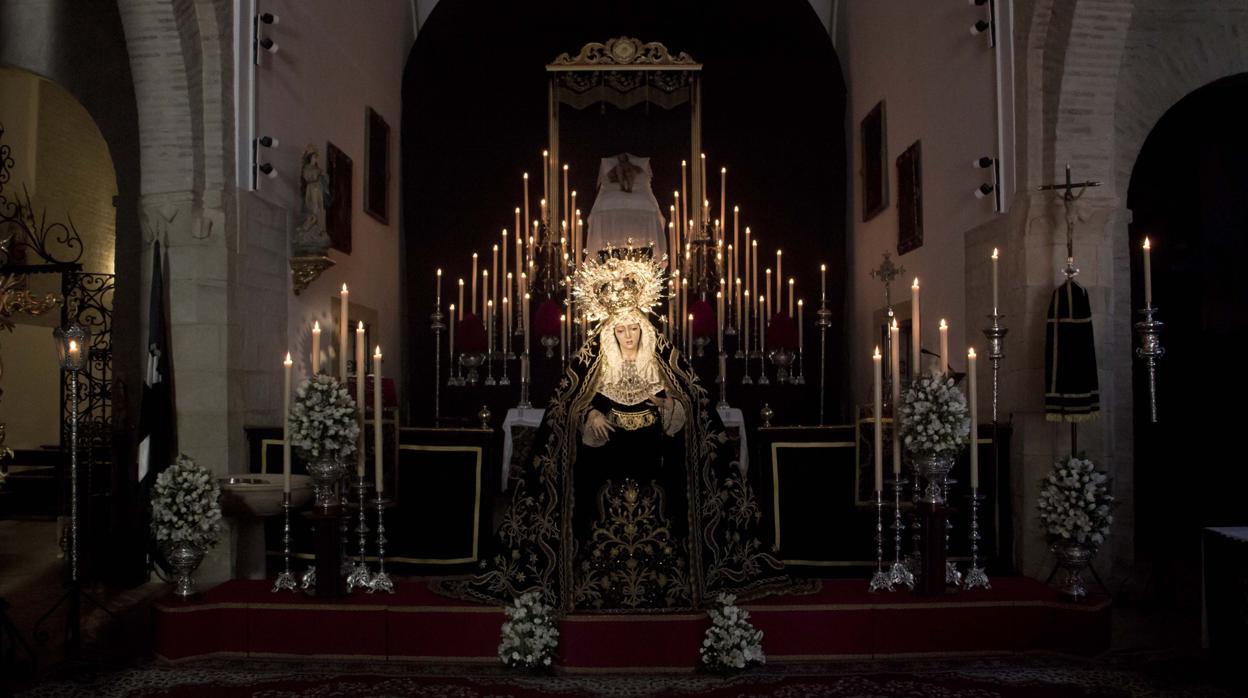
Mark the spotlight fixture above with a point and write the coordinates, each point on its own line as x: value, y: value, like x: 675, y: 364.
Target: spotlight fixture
x: 980, y: 27
x: 268, y: 170
x: 268, y: 45
x: 984, y: 190
x: 270, y: 18
x: 267, y: 141
x: 987, y: 25
x: 982, y: 163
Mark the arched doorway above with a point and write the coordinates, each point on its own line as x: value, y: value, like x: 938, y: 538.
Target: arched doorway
x: 1187, y: 194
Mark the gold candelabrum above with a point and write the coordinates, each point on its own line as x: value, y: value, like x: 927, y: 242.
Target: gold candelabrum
x: 16, y: 298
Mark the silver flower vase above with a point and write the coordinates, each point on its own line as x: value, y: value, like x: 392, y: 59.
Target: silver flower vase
x: 1073, y: 558
x: 184, y: 559
x: 935, y: 470
x: 325, y: 474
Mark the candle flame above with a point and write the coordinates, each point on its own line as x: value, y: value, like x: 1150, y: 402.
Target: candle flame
x: 73, y: 345
x: 474, y: 255
x: 288, y: 361
x: 823, y: 267
x: 344, y: 289
x: 736, y: 209
x: 377, y: 353
x: 895, y: 327
x: 565, y: 167
x: 526, y: 175
x: 440, y: 270
x: 943, y: 326
x: 800, y: 302
x: 452, y: 307
x: 360, y: 327
x: 723, y: 170
x: 970, y: 353
x: 496, y: 246
x: 790, y: 281
x: 916, y: 283
x: 1147, y: 245
x: 877, y: 354
x: 316, y: 325
x: 461, y: 281
x: 994, y: 253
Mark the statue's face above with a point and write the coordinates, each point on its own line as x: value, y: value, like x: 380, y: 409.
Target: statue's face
x: 629, y: 336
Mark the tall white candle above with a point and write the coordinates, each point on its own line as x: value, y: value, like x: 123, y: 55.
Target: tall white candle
x: 944, y: 346
x: 545, y: 178
x: 749, y: 313
x: 461, y: 301
x: 489, y: 329
x: 736, y: 239
x: 762, y: 328
x: 439, y: 285
x: 766, y: 317
x: 736, y: 304
x: 779, y: 296
x: 473, y: 281
x: 879, y: 420
x: 494, y: 277
x: 563, y: 336
x: 506, y: 314
x: 451, y: 350
x: 974, y: 400
x: 286, y: 366
x: 485, y: 295
x: 753, y: 267
x: 378, y: 422
x: 519, y: 253
x: 359, y: 397
x: 525, y: 313
x: 723, y: 189
x: 915, y: 344
x: 684, y: 197
x: 790, y: 298
x: 316, y: 347
x: 1148, y: 274
x: 894, y: 337
x: 344, y: 326
x: 719, y: 320
x: 801, y: 327
x: 996, y: 303
x: 506, y: 275
x: 519, y: 230
x: 823, y: 284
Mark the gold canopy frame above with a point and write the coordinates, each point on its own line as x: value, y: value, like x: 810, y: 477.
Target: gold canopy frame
x: 625, y: 71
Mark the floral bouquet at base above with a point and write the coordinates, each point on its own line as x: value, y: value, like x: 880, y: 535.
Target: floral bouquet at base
x: 731, y: 643
x: 186, y: 507
x: 529, y: 636
x: 934, y: 416
x: 1075, y: 503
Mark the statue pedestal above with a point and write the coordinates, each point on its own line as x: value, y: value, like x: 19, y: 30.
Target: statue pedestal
x: 327, y: 543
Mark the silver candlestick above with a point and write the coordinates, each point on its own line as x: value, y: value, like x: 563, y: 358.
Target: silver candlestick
x: 285, y: 580
x: 880, y: 580
x: 489, y: 354
x: 799, y: 376
x: 975, y: 576
x: 995, y: 333
x: 437, y: 325
x: 916, y: 528
x: 381, y: 581
x: 952, y: 576
x: 524, y: 403
x: 823, y: 322
x: 899, y: 574
x: 359, y: 575
x: 723, y: 381
x: 1150, y: 350
x: 504, y: 379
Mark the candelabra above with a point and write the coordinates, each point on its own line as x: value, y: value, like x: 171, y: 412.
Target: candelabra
x: 881, y: 580
x: 524, y: 403
x: 436, y: 324
x: 381, y: 581
x: 975, y: 576
x: 1150, y: 350
x: 823, y: 322
x: 285, y: 580
x: 899, y: 574
x: 359, y: 575
x: 995, y: 333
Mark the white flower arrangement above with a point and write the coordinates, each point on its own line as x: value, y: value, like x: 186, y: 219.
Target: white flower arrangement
x: 731, y: 643
x: 323, y: 422
x: 934, y: 416
x: 529, y: 636
x: 1075, y: 504
x: 186, y: 506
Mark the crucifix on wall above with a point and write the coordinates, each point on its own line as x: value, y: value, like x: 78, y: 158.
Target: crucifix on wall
x: 1069, y: 197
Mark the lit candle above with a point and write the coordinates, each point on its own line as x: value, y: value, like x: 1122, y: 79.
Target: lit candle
x: 723, y: 189
x: 719, y: 319
x: 519, y: 250
x: 73, y: 351
x: 944, y: 346
x: 737, y: 301
x: 343, y: 329
x: 732, y: 267
x: 563, y: 336
x: 286, y: 366
x: 489, y: 329
x: 377, y: 420
x: 766, y: 316
x: 748, y: 313
x: 542, y: 205
x: 702, y: 187
x: 879, y: 421
x: 574, y: 214
x: 473, y: 278
x: 779, y: 297
x: 974, y: 436
x: 753, y: 265
x: 545, y: 180
x: 485, y: 296
x: 506, y: 275
x: 526, y: 204
x: 894, y: 339
x: 525, y: 313
x: 452, y: 337
x: 494, y: 276
x: 359, y: 397
x: 762, y: 328
x: 316, y: 347
x: 567, y: 209
x: 801, y: 325
x: 749, y: 278
x: 823, y: 284
x: 684, y: 196
x: 1148, y: 274
x: 915, y: 354
x: 461, y: 300
x: 790, y: 297
x: 995, y: 302
x: 506, y: 348
x: 689, y: 333
x: 736, y: 239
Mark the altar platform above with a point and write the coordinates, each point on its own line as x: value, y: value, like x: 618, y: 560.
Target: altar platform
x: 244, y: 618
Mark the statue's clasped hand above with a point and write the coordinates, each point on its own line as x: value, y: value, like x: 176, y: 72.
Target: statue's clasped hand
x: 599, y: 427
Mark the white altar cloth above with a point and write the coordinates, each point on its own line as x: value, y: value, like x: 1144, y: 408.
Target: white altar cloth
x: 532, y: 417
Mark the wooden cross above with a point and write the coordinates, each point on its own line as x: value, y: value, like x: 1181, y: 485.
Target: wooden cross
x: 1069, y: 197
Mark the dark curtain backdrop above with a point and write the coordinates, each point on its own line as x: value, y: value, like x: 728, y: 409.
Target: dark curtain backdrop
x: 474, y: 119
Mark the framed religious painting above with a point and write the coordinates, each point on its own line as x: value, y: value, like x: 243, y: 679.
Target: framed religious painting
x: 874, y: 163
x: 909, y: 199
x: 338, y: 208
x: 376, y: 166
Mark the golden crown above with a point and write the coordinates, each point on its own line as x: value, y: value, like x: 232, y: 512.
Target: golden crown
x: 619, y: 281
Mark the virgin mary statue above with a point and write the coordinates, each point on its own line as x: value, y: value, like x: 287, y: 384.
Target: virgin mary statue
x: 630, y: 500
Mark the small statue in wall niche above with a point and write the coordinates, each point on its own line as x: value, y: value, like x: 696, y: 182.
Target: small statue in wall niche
x: 311, y: 236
